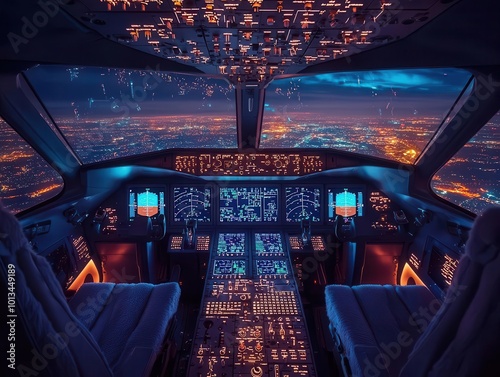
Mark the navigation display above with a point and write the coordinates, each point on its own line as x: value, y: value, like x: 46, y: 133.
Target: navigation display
x: 347, y: 202
x: 303, y: 203
x: 248, y: 204
x: 268, y: 244
x: 145, y: 201
x: 271, y: 267
x: 229, y: 267
x: 192, y: 203
x: 231, y: 244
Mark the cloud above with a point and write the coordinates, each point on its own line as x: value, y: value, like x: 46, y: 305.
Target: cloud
x: 411, y: 79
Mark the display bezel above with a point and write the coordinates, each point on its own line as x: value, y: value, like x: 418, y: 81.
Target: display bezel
x: 141, y: 187
x: 358, y: 188
x: 308, y: 186
x: 248, y: 186
x: 233, y: 260
x: 198, y: 187
x: 267, y: 254
x: 231, y: 255
x: 274, y: 263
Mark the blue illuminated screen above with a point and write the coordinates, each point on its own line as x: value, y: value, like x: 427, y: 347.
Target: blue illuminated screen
x: 271, y: 267
x: 303, y: 203
x: 229, y: 267
x: 231, y: 244
x: 268, y: 244
x: 192, y: 203
x: 345, y: 201
x: 248, y: 204
x: 146, y: 201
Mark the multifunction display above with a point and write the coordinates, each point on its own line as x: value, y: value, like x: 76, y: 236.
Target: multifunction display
x: 443, y: 265
x: 303, y: 203
x: 271, y: 267
x: 268, y: 244
x: 229, y: 267
x: 192, y: 203
x: 248, y: 204
x: 231, y: 244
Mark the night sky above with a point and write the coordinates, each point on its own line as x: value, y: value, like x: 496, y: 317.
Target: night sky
x: 91, y: 92
x: 426, y: 92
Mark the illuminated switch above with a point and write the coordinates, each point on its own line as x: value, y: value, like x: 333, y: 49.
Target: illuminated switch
x: 241, y: 346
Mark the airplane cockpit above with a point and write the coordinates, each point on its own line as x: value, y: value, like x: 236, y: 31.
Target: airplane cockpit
x: 262, y: 188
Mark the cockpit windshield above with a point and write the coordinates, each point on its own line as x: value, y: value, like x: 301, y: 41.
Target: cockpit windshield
x: 107, y: 113
x: 390, y: 114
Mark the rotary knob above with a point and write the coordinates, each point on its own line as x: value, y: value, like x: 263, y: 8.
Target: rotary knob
x: 258, y: 347
x: 256, y: 372
x: 242, y: 346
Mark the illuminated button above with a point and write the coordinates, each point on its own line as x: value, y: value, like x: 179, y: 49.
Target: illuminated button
x: 241, y: 346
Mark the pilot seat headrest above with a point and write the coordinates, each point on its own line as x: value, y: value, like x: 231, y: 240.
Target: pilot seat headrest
x: 484, y: 240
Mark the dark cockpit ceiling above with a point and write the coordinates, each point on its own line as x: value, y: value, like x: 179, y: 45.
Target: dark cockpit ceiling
x: 445, y: 33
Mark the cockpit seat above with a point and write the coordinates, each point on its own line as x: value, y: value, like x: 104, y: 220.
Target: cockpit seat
x: 106, y: 330
x: 128, y: 321
x: 405, y: 331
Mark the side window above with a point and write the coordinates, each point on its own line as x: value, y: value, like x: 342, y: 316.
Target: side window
x: 471, y: 178
x: 26, y: 179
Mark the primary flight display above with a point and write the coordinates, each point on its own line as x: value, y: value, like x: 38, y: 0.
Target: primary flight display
x: 145, y: 201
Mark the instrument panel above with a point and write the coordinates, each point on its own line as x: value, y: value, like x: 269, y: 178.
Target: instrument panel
x: 242, y: 203
x: 251, y: 322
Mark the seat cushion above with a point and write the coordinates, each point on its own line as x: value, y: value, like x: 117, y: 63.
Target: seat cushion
x: 115, y: 313
x: 55, y: 342
x: 378, y: 324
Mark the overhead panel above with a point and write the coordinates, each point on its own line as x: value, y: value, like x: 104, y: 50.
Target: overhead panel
x: 249, y: 40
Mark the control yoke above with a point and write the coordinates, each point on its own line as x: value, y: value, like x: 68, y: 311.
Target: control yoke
x: 305, y: 226
x: 190, y: 234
